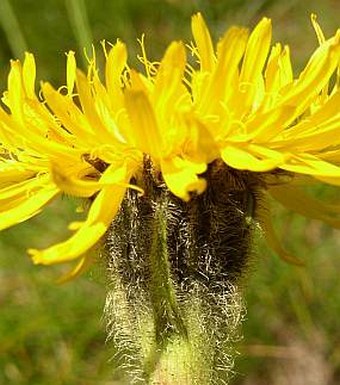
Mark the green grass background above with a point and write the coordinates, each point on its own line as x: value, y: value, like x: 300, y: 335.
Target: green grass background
x: 52, y: 334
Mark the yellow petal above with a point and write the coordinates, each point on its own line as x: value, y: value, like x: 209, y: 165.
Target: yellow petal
x: 23, y: 188
x: 103, y: 209
x: 243, y: 160
x: 26, y: 206
x: 15, y: 92
x: 264, y: 218
x: 75, y: 185
x: 317, y: 132
x: 199, y: 143
x: 256, y: 52
x: 317, y: 29
x: 95, y: 110
x: 263, y: 127
x: 80, y: 268
x: 314, y: 77
x: 295, y: 199
x: 169, y: 89
x: 219, y: 86
x: 29, y: 73
x: 115, y: 64
x: 203, y: 41
x: 251, y: 83
x: 311, y: 165
x: 11, y: 174
x: 278, y: 74
x: 331, y: 155
x: 69, y: 115
x: 334, y: 181
x: 70, y: 72
x: 180, y: 175
x: 263, y: 151
x: 146, y: 134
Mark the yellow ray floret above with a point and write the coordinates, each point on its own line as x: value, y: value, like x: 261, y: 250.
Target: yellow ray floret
x: 239, y: 103
x: 253, y: 103
x: 102, y: 211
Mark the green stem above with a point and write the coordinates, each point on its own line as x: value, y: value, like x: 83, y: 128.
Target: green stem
x: 77, y: 14
x: 11, y: 27
x: 175, y: 309
x: 167, y: 316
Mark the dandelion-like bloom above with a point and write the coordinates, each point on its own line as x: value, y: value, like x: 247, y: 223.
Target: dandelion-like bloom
x: 178, y: 163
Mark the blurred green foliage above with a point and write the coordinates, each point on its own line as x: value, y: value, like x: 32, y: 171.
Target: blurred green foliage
x: 52, y: 334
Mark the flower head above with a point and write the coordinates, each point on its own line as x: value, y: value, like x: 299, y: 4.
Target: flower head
x: 239, y: 106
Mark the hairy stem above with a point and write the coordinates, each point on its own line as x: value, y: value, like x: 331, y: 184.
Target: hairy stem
x: 174, y: 307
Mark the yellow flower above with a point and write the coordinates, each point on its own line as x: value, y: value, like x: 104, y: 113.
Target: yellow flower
x: 259, y: 115
x: 25, y: 182
x: 44, y: 154
x: 159, y: 108
x: 240, y: 105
